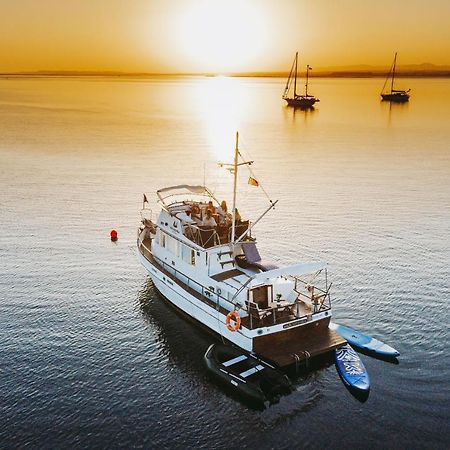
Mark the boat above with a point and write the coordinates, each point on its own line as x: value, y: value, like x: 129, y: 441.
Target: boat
x: 351, y: 369
x: 253, y: 378
x: 301, y: 101
x: 364, y: 342
x: 216, y: 277
x: 394, y: 95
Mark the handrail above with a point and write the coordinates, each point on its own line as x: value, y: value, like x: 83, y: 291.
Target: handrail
x: 190, y: 282
x: 213, y: 298
x: 195, y: 234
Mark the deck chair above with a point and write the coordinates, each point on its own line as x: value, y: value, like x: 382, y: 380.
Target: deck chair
x: 257, y: 313
x: 253, y: 257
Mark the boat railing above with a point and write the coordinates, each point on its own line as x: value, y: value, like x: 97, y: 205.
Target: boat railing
x: 281, y: 313
x: 274, y: 315
x: 319, y: 298
x: 206, y: 294
x: 208, y: 237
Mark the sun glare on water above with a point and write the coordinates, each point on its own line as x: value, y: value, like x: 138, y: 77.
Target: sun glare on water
x: 223, y: 104
x: 222, y: 36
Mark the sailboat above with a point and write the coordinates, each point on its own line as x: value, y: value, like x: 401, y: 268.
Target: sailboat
x: 394, y: 95
x: 215, y: 276
x: 301, y: 101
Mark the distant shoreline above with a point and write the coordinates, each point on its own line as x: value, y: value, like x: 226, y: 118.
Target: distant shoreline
x: 445, y: 73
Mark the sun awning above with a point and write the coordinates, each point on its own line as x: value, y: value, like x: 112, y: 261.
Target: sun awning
x: 183, y: 190
x: 193, y: 189
x: 294, y: 270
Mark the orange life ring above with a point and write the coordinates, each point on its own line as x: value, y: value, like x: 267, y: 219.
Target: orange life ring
x: 233, y: 315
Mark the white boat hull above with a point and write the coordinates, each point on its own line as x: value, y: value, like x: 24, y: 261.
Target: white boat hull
x: 194, y: 308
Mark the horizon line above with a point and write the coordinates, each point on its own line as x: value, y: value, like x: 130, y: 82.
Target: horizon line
x: 320, y: 73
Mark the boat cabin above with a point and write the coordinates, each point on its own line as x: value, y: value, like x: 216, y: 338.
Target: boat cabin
x: 227, y: 273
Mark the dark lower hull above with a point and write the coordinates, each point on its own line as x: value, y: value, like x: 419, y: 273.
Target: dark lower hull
x: 396, y: 97
x: 265, y: 384
x: 302, y: 102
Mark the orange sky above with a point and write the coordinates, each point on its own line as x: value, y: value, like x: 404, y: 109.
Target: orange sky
x: 219, y: 35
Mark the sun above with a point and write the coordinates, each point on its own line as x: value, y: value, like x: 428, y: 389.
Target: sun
x: 222, y: 35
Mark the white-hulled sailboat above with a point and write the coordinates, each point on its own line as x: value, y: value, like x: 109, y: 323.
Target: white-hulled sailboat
x: 298, y: 100
x: 216, y: 276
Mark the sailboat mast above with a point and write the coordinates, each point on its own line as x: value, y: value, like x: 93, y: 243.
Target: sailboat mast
x: 295, y: 79
x: 235, y: 171
x: 393, y: 72
x: 306, y: 85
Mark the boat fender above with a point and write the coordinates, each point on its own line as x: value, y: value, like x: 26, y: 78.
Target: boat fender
x: 233, y: 315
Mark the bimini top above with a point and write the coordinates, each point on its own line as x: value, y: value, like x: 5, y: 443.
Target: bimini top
x: 295, y: 270
x: 181, y: 192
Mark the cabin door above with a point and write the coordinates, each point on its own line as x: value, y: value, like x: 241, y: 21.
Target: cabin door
x: 262, y: 296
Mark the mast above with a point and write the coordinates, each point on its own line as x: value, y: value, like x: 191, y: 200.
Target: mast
x: 234, y: 169
x: 235, y: 166
x: 393, y: 72
x: 306, y: 85
x: 295, y: 79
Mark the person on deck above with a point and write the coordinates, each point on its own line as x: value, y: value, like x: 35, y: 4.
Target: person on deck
x: 224, y: 215
x: 237, y: 216
x: 195, y: 214
x: 210, y: 207
x: 209, y: 221
x: 222, y: 210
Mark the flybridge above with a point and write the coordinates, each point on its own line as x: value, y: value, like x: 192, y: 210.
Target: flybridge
x: 176, y: 194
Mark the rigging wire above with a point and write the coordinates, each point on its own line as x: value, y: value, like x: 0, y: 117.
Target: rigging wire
x: 252, y: 173
x: 387, y: 78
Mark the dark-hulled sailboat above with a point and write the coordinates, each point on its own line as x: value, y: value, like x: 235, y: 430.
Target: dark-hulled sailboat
x: 300, y: 101
x: 394, y: 95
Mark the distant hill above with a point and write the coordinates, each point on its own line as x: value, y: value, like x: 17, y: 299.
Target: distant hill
x: 411, y: 70
x: 418, y: 70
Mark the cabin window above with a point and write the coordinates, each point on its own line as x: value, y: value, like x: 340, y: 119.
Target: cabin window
x: 193, y: 257
x: 163, y: 240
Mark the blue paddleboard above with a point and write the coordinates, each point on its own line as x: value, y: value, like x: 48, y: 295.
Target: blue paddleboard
x: 351, y: 368
x: 364, y: 342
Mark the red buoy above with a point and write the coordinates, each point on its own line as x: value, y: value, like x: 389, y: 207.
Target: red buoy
x: 113, y: 235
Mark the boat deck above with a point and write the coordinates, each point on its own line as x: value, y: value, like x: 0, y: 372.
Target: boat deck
x: 298, y: 344
x: 293, y: 344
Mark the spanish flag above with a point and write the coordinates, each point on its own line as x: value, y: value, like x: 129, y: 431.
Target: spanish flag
x: 253, y: 182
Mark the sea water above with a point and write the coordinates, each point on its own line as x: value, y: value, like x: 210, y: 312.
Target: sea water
x: 92, y: 357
